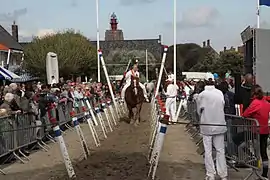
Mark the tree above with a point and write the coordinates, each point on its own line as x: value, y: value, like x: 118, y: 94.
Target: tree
x: 229, y: 61
x: 207, y: 64
x: 76, y: 56
x: 120, y: 58
x: 188, y: 55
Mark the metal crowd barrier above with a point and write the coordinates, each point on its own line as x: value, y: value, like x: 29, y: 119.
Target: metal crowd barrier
x: 241, y: 140
x: 19, y: 132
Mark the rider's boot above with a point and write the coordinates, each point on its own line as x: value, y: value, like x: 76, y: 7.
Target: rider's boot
x: 146, y: 98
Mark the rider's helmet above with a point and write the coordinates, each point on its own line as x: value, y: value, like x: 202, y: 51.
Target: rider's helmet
x: 135, y: 62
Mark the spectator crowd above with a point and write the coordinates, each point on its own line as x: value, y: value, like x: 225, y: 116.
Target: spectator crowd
x: 216, y: 98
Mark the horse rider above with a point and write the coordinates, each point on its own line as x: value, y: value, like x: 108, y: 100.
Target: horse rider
x: 171, y: 93
x: 133, y: 72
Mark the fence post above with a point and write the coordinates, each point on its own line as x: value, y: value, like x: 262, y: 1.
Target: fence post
x: 64, y: 152
x: 101, y: 122
x: 112, y: 112
x: 91, y: 112
x: 81, y: 137
x: 92, y: 128
x: 101, y: 58
x: 158, y: 145
x: 103, y: 105
x: 179, y: 109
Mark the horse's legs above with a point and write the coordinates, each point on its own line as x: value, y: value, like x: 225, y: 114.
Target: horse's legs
x: 130, y: 114
x: 138, y: 114
x: 132, y: 119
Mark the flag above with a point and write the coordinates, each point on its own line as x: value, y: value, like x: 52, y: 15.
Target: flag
x: 264, y: 3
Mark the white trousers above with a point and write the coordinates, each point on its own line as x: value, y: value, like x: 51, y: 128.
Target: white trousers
x: 171, y: 109
x: 218, y: 142
x: 128, y: 84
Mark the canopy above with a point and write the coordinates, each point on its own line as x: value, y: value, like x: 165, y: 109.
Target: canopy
x: 25, y: 77
x: 8, y: 73
x: 3, y: 76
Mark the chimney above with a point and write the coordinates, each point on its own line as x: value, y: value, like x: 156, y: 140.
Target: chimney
x: 225, y: 48
x: 15, y: 33
x: 208, y: 42
x: 203, y: 43
x: 159, y: 39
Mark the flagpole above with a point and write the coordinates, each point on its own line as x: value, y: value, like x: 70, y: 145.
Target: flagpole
x: 174, y: 44
x: 146, y: 64
x: 98, y: 46
x: 258, y: 14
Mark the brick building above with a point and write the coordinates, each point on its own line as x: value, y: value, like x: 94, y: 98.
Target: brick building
x: 114, y: 33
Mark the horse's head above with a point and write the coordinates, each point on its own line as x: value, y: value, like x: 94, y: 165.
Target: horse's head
x: 135, y: 84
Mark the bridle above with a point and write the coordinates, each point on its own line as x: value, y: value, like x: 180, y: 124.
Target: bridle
x: 135, y: 86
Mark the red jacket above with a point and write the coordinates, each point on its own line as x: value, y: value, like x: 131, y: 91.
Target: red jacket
x: 259, y: 110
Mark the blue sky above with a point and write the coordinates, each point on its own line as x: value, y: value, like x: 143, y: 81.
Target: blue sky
x: 198, y: 20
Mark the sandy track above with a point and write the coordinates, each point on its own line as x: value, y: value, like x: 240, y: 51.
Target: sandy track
x: 121, y: 156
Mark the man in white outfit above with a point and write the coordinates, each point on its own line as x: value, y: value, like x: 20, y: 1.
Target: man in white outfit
x: 171, y: 93
x: 133, y: 72
x: 210, y: 105
x: 53, y: 80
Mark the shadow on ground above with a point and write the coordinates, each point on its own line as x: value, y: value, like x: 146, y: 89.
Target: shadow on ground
x: 125, y: 119
x: 101, y: 165
x: 107, y: 165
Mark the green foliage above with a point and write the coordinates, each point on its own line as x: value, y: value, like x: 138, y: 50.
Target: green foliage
x: 76, y: 55
x: 123, y: 58
x: 229, y: 60
x: 188, y: 55
x: 120, y: 58
x: 192, y: 57
x: 207, y: 64
x: 226, y: 61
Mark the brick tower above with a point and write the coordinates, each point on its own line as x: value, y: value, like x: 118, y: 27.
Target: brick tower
x: 114, y: 33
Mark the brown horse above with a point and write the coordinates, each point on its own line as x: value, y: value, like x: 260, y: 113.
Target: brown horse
x: 134, y: 99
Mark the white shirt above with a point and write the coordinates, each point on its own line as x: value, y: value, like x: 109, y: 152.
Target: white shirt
x: 78, y: 95
x: 129, y: 74
x: 172, y: 90
x: 210, y: 105
x: 54, y: 81
x: 187, y: 89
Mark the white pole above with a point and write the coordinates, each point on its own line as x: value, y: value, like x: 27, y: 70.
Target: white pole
x: 174, y: 46
x: 64, y: 152
x: 98, y: 46
x: 161, y: 69
x: 146, y: 64
x: 8, y: 58
x: 108, y: 81
x: 258, y: 14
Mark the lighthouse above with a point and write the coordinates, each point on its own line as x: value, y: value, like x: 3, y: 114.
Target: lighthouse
x: 114, y: 33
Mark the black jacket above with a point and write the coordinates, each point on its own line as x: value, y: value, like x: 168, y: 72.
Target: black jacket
x: 245, y: 95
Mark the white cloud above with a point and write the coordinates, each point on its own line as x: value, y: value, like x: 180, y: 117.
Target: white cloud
x: 198, y: 17
x: 25, y: 35
x: 44, y: 32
